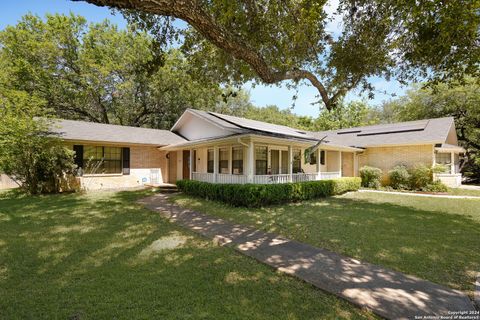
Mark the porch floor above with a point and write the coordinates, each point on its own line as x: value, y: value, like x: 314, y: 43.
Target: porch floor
x: 387, y: 293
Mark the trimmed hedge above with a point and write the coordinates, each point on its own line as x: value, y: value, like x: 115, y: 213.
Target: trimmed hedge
x: 257, y: 195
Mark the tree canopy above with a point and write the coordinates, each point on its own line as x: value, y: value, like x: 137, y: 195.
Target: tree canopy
x: 276, y: 40
x: 95, y: 72
x: 461, y: 102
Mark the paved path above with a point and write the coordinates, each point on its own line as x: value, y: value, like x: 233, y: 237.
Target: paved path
x: 387, y: 293
x: 477, y: 292
x: 420, y: 194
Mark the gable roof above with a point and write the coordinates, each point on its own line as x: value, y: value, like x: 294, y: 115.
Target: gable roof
x: 428, y: 131
x: 91, y: 131
x: 242, y: 125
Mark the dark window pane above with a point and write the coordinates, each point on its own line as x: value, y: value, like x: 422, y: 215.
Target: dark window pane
x: 98, y: 160
x: 322, y: 157
x: 313, y: 158
x: 261, y: 160
x: 223, y: 160
x: 237, y: 160
x: 210, y: 161
x: 194, y: 161
x: 297, y: 161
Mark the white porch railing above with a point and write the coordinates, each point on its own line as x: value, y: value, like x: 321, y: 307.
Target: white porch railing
x: 202, y: 176
x: 263, y: 179
x: 330, y: 175
x: 270, y: 178
x: 231, y: 178
x: 302, y: 177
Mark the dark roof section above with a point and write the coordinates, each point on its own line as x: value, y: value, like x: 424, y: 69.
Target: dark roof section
x: 411, y: 132
x: 91, y: 131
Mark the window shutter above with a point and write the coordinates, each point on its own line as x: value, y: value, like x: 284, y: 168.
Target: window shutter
x: 126, y: 160
x: 78, y: 159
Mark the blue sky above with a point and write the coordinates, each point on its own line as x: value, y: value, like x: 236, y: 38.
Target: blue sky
x: 261, y: 95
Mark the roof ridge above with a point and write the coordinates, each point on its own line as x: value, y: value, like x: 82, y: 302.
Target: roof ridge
x: 383, y: 124
x: 108, y: 124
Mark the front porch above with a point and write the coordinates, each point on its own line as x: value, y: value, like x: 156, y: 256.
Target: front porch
x: 264, y: 160
x: 263, y: 179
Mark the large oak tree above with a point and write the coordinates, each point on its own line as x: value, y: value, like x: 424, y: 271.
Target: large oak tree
x: 276, y: 40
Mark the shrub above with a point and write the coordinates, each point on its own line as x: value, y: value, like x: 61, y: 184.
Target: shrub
x: 257, y: 195
x: 420, y: 177
x: 399, y: 177
x: 436, y: 186
x: 29, y: 152
x: 370, y: 177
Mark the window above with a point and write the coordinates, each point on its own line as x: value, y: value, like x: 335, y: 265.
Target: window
x: 443, y: 158
x: 194, y: 164
x: 223, y: 160
x: 98, y: 160
x: 210, y: 160
x: 261, y: 160
x: 284, y: 161
x: 322, y: 157
x: 297, y: 161
x: 237, y: 160
x: 313, y: 157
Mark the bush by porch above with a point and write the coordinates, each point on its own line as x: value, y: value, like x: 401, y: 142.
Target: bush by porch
x: 257, y: 195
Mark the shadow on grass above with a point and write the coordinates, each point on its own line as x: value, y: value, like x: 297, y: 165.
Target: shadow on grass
x: 435, y: 245
x: 103, y: 256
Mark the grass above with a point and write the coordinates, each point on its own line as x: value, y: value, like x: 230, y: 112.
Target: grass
x: 464, y: 192
x: 101, y: 256
x: 435, y: 239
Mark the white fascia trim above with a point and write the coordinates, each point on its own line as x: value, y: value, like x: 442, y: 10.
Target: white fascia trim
x: 193, y: 113
x: 235, y: 138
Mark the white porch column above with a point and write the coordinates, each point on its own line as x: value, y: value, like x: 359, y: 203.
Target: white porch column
x: 290, y: 164
x: 340, y: 162
x: 250, y: 162
x: 191, y: 164
x: 215, y: 163
x: 452, y: 164
x: 318, y: 164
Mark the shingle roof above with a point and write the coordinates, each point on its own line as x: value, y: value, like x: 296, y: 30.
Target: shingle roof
x: 90, y: 131
x: 247, y: 125
x: 420, y: 131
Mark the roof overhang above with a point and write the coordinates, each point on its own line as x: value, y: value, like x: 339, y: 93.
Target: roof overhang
x: 240, y: 138
x: 191, y: 113
x: 112, y: 143
x: 338, y: 147
x: 257, y: 138
x: 449, y: 148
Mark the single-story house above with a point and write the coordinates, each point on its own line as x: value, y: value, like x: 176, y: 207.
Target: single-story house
x: 218, y: 148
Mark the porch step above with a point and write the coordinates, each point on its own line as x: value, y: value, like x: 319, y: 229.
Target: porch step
x: 168, y: 189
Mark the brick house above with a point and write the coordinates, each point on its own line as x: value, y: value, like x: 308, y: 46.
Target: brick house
x: 217, y: 148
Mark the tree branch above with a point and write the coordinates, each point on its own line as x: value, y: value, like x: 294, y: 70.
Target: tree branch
x: 191, y: 12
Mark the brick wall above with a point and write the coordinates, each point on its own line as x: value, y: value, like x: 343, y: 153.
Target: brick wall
x: 386, y: 158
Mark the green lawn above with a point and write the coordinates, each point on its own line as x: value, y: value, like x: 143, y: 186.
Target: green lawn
x: 101, y: 256
x: 464, y: 192
x: 435, y: 239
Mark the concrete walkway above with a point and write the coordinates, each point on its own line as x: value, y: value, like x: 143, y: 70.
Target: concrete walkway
x: 420, y: 194
x: 387, y: 293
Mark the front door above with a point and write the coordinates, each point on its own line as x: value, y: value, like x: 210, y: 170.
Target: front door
x: 186, y: 164
x: 347, y: 164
